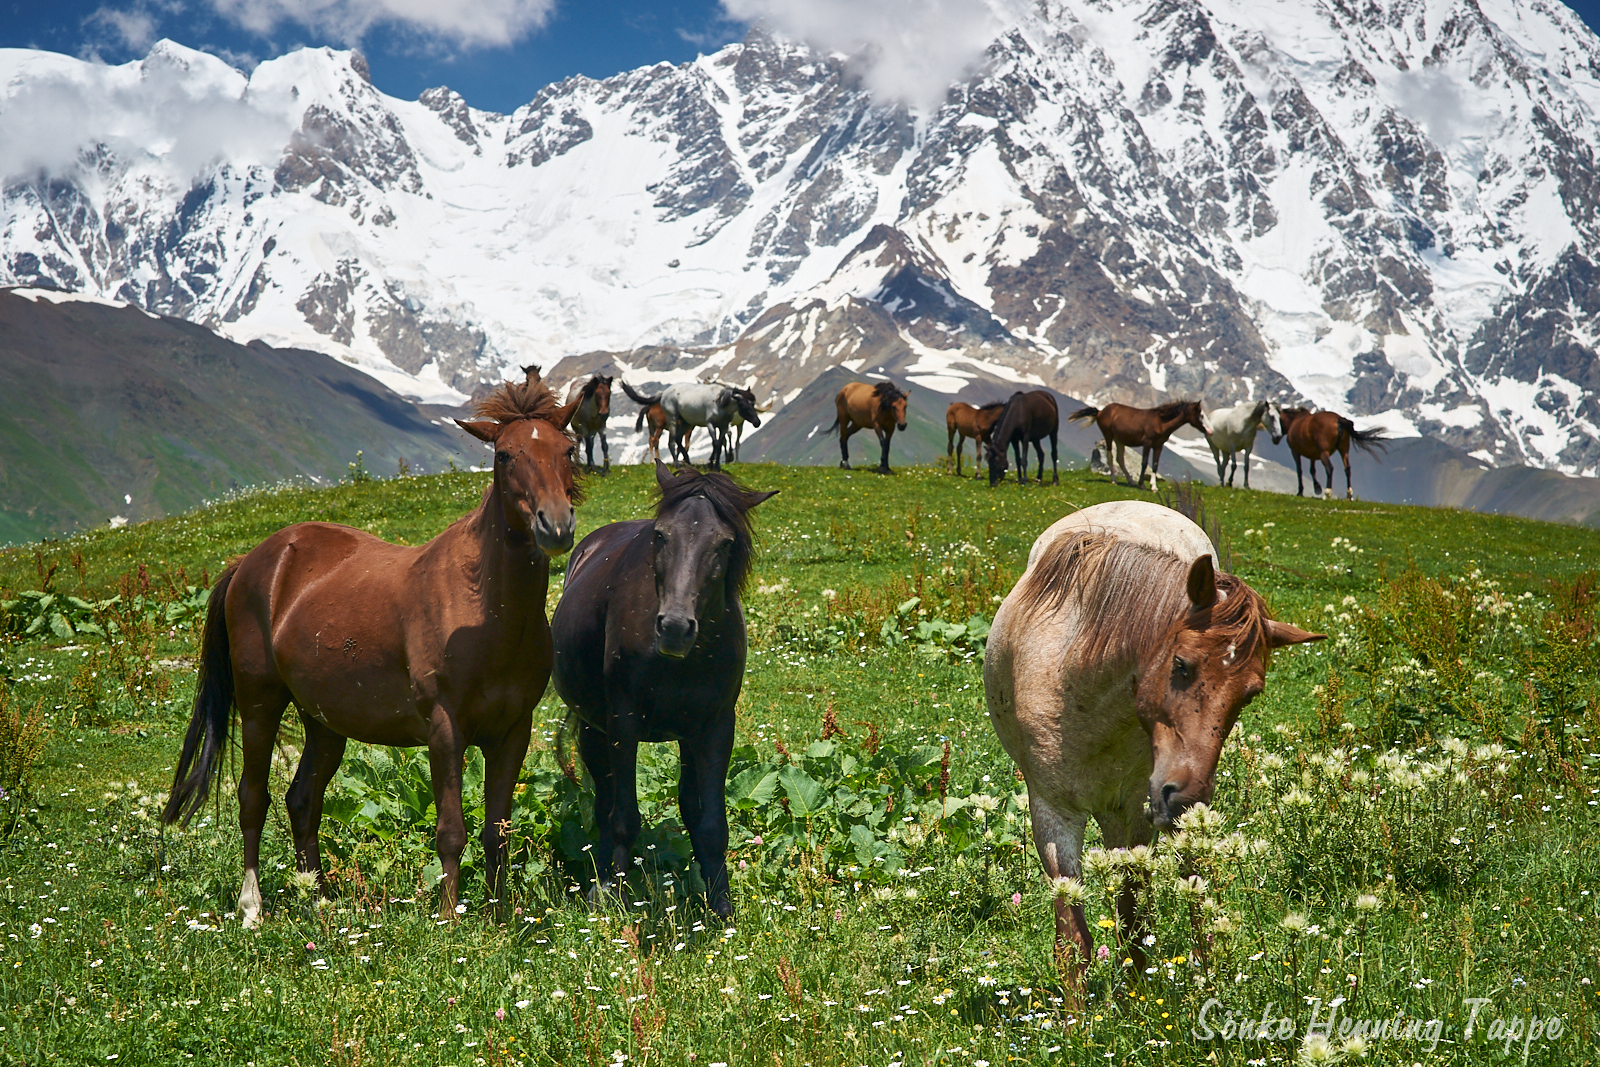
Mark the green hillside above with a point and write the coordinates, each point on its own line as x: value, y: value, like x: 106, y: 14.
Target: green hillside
x: 1407, y: 816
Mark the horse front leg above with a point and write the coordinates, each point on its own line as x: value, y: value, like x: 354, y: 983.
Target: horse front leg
x: 1126, y: 829
x: 445, y: 750
x: 625, y: 820
x: 883, y: 440
x: 588, y: 452
x: 1221, y: 461
x: 605, y: 452
x: 502, y: 760
x: 702, y: 800
x: 1144, y: 467
x: 594, y: 747
x: 318, y: 761
x: 1247, y: 454
x: 1058, y: 838
x: 1300, y: 477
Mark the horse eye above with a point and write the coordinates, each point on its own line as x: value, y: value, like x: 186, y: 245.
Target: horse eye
x: 1180, y: 668
x: 502, y: 456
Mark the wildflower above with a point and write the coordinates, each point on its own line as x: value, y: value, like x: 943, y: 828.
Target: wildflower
x: 1202, y: 818
x: 1103, y: 953
x: 1367, y: 902
x: 500, y: 1015
x: 523, y: 1004
x: 1139, y: 857
x: 1272, y: 761
x: 304, y: 882
x: 1455, y: 747
x: 1016, y: 900
x: 1223, y: 924
x: 1297, y: 798
x: 1355, y: 1045
x: 1192, y: 886
x: 558, y: 994
x: 1294, y: 922
x: 1069, y: 890
x: 985, y: 980
x: 1317, y: 1049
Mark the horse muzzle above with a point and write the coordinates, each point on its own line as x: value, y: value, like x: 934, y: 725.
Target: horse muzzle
x: 1167, y: 803
x: 675, y: 635
x: 554, y: 536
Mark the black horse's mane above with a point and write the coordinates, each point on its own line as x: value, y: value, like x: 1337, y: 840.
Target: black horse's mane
x: 887, y: 392
x: 1172, y: 408
x: 732, y: 503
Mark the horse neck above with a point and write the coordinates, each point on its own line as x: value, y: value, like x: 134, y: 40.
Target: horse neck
x: 1169, y: 427
x: 502, y: 566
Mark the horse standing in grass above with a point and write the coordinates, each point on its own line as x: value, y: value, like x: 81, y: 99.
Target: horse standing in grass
x: 1114, y: 671
x: 1027, y: 419
x: 445, y: 645
x: 651, y: 414
x: 650, y: 646
x: 707, y: 404
x: 1143, y: 428
x: 1317, y: 436
x: 879, y: 407
x: 589, y: 420
x: 963, y: 421
x: 1234, y: 430
x: 734, y: 437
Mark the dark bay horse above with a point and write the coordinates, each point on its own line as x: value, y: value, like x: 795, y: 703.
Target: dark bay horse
x: 1027, y: 419
x: 879, y: 407
x: 1143, y: 428
x: 1114, y: 671
x: 593, y: 398
x: 1317, y: 436
x: 963, y: 421
x: 445, y: 645
x: 650, y: 646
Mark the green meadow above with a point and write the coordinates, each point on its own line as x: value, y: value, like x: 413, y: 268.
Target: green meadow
x: 1400, y: 867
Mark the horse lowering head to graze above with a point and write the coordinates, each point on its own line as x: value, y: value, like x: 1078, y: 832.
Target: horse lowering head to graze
x: 879, y: 407
x: 963, y: 421
x: 593, y: 398
x: 444, y: 645
x: 1113, y: 673
x: 650, y: 646
x: 1316, y: 436
x: 1234, y: 430
x: 1143, y: 428
x: 1027, y: 419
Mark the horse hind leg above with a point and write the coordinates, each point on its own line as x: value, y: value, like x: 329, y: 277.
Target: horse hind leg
x: 260, y: 711
x: 1327, y: 465
x: 1055, y: 468
x: 1349, y: 490
x: 445, y: 750
x: 1038, y: 447
x: 318, y: 761
x: 844, y: 447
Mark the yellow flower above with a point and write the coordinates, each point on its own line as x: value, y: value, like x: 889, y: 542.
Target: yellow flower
x: 1107, y: 924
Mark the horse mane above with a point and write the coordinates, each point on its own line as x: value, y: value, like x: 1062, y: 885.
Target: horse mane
x: 1132, y: 597
x: 519, y: 400
x: 887, y: 392
x: 1172, y: 408
x: 590, y: 386
x: 992, y: 405
x: 732, y: 503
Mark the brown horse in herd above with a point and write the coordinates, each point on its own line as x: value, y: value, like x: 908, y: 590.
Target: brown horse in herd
x: 445, y: 645
x: 1143, y: 428
x: 879, y: 407
x: 963, y: 421
x: 1027, y: 419
x: 1317, y: 436
x: 593, y: 398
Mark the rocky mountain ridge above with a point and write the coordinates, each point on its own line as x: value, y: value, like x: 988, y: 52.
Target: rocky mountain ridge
x: 1388, y: 208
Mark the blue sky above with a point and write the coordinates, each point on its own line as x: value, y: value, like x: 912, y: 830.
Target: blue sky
x: 496, y: 53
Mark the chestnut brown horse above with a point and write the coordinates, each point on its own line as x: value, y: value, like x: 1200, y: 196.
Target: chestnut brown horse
x: 651, y: 413
x: 445, y: 645
x: 965, y: 421
x: 1317, y: 437
x: 879, y: 407
x: 589, y: 420
x: 1027, y: 419
x: 1114, y: 671
x: 1143, y: 428
x: 650, y: 646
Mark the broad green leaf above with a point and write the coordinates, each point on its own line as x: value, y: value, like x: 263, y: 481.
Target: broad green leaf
x: 807, y: 796
x: 819, y: 749
x: 752, y: 788
x: 61, y: 627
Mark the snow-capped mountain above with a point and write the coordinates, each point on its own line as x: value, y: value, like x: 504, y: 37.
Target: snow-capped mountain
x: 1387, y: 208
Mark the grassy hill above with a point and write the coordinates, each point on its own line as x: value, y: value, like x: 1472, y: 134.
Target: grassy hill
x: 1442, y: 624
x: 115, y: 412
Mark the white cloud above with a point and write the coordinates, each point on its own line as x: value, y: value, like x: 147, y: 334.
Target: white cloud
x: 474, y: 24
x: 910, y: 50
x: 134, y: 29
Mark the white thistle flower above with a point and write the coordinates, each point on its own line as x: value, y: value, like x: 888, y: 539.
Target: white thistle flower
x: 1295, y: 922
x: 1367, y: 902
x: 1069, y: 890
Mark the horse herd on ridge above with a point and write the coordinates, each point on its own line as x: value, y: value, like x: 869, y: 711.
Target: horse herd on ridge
x: 1114, y: 671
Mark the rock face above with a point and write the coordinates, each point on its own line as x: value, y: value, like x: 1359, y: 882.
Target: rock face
x: 1389, y: 209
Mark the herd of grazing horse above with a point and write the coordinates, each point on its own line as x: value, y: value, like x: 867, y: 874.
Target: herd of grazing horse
x: 1115, y: 668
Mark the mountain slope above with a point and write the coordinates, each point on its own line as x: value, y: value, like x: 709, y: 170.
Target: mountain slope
x: 1392, y: 209
x: 138, y: 416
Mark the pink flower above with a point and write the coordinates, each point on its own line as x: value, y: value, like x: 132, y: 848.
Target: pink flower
x: 500, y: 1015
x: 756, y: 840
x: 517, y: 911
x: 743, y: 865
x: 310, y: 947
x: 1104, y: 953
x: 1016, y: 900
x: 451, y: 1002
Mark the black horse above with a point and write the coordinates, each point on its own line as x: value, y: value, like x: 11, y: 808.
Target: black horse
x: 650, y: 646
x: 1027, y: 419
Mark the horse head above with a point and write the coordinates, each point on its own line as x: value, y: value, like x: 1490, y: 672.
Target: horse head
x: 745, y: 400
x: 1273, y: 421
x: 891, y: 399
x: 533, y: 473
x: 602, y: 395
x: 1189, y: 692
x: 700, y: 551
x: 1195, y: 416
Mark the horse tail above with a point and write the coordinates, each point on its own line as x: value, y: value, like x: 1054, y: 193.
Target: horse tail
x: 1369, y: 441
x: 645, y: 401
x: 1084, y: 415
x: 213, y: 712
x: 638, y: 424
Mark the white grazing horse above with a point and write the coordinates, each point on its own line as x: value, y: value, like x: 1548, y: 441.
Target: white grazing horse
x: 708, y: 404
x: 1114, y: 671
x: 1234, y: 430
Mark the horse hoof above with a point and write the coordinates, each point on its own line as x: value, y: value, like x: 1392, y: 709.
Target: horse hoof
x: 844, y: 466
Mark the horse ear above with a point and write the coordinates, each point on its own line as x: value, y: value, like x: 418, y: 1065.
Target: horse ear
x: 1283, y: 633
x: 664, y: 475
x: 564, y: 414
x: 483, y: 431
x: 761, y: 498
x: 1202, y: 583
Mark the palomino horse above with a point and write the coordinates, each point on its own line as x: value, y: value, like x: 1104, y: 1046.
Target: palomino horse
x: 1114, y: 671
x: 650, y: 646
x: 1144, y: 428
x: 445, y: 645
x: 593, y: 398
x: 1234, y: 430
x: 1027, y: 419
x: 961, y: 421
x: 707, y: 404
x: 880, y: 408
x: 1317, y: 436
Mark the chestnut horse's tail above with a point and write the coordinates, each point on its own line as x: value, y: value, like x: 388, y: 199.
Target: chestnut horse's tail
x: 1369, y: 441
x: 213, y: 712
x: 1084, y: 415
